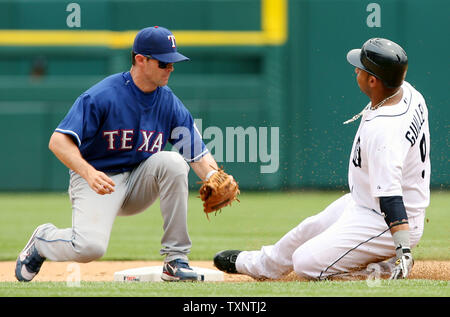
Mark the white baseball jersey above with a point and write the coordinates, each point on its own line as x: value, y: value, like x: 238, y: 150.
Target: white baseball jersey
x: 390, y: 155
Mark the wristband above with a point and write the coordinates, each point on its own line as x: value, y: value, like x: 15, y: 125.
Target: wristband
x: 401, y: 241
x: 210, y: 174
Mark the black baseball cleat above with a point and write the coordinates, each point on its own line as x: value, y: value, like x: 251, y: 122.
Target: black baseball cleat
x: 226, y: 260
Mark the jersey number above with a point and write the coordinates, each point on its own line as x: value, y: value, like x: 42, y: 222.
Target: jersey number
x: 423, y: 148
x: 423, y: 152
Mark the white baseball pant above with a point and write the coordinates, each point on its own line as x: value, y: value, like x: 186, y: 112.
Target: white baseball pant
x: 342, y: 238
x: 162, y: 175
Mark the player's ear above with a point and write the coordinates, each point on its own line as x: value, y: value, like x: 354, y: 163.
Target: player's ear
x: 373, y: 81
x: 139, y: 59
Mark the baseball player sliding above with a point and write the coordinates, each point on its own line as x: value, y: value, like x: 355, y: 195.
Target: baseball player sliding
x: 389, y: 175
x: 112, y: 140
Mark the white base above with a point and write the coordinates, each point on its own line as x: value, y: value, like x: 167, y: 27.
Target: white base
x: 153, y: 274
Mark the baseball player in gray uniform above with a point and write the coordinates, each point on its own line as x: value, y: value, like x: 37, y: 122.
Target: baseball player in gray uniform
x: 389, y: 176
x: 112, y: 140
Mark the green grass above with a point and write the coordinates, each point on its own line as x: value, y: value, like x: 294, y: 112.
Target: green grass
x: 401, y: 288
x: 260, y: 219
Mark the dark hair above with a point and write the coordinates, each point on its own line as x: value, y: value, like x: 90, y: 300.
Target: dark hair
x: 133, y: 55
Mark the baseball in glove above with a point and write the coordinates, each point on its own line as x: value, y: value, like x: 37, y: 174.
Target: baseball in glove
x: 218, y: 191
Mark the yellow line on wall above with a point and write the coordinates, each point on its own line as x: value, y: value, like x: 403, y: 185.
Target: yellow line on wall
x: 273, y: 25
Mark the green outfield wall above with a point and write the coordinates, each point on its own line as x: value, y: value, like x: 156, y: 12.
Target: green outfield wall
x: 272, y: 72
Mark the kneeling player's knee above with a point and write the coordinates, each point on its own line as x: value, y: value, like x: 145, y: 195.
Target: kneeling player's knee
x: 175, y: 164
x: 90, y: 252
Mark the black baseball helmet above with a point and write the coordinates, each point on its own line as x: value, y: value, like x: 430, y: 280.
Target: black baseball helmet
x: 383, y: 59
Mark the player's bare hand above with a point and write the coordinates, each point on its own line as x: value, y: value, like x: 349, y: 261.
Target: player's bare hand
x: 100, y: 182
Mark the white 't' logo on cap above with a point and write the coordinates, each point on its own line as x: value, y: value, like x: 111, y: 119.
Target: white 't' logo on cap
x: 172, y: 37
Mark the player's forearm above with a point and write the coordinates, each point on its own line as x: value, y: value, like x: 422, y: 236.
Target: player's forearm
x: 397, y: 220
x: 400, y: 235
x: 203, y: 166
x: 404, y: 226
x: 68, y: 153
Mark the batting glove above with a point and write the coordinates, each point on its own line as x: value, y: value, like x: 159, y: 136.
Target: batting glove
x: 403, y: 267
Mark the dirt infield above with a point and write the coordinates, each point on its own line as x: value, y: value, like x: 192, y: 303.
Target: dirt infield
x: 104, y: 271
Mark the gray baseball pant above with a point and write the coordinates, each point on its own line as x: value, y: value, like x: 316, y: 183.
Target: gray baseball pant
x: 162, y: 175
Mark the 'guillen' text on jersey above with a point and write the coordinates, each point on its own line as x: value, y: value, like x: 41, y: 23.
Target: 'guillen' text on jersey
x: 415, y: 126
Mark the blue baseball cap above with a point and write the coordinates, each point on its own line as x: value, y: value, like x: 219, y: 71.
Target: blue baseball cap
x: 158, y: 42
